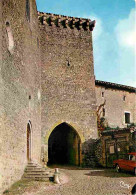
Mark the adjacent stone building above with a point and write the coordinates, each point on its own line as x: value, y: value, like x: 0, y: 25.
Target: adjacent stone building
x: 48, y: 94
x: 119, y: 101
x: 116, y: 111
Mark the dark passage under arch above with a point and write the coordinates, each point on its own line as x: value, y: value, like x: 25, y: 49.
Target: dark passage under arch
x: 64, y: 146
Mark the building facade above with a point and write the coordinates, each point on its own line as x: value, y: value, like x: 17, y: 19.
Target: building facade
x: 119, y: 101
x: 67, y: 80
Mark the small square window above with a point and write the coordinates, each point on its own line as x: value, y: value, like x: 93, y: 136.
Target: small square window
x: 112, y: 151
x: 127, y: 118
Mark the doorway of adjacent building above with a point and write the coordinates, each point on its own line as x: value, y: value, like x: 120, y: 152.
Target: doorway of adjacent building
x: 64, y: 146
x: 28, y: 142
x: 115, y: 148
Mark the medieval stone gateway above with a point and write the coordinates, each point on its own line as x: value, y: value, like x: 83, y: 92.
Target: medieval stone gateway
x: 64, y: 146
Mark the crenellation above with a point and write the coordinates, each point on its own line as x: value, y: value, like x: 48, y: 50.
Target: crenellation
x: 44, y: 20
x: 80, y: 23
x: 65, y: 21
x: 52, y: 20
x: 59, y: 21
x: 92, y: 25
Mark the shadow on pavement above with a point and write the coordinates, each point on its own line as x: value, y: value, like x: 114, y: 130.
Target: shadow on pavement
x: 109, y: 173
x: 68, y: 167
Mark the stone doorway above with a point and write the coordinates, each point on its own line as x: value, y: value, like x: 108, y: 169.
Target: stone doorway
x: 64, y: 146
x: 28, y: 142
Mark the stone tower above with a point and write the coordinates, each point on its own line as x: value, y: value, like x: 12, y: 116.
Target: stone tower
x: 68, y: 86
x: 20, y: 114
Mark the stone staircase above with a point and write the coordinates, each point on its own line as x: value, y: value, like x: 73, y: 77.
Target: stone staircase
x: 36, y: 172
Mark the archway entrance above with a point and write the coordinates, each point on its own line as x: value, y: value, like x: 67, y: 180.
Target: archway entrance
x: 28, y: 142
x: 64, y: 146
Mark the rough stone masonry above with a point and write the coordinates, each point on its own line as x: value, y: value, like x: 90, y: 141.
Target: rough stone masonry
x: 46, y: 79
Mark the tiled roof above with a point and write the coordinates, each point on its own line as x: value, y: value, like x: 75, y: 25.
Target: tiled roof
x: 115, y: 86
x: 115, y: 131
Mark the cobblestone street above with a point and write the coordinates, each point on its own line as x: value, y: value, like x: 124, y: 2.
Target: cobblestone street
x: 84, y: 182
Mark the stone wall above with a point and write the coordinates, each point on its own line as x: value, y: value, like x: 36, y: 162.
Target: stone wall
x: 68, y: 85
x: 20, y: 89
x: 115, y: 105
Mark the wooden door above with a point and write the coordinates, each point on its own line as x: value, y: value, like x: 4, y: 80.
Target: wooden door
x: 28, y: 143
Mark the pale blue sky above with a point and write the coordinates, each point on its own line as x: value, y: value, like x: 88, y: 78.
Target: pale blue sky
x: 113, y: 36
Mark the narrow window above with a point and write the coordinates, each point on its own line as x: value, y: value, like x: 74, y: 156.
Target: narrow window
x: 103, y: 112
x: 37, y: 42
x: 28, y: 10
x: 102, y: 94
x: 68, y: 63
x: 10, y: 38
x: 124, y: 98
x: 127, y: 117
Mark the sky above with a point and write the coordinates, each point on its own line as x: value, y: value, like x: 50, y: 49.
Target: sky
x: 114, y: 36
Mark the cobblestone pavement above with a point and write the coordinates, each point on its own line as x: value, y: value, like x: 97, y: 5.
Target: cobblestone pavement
x: 87, y: 182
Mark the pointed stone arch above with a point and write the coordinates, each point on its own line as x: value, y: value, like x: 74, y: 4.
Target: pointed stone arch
x: 64, y: 144
x: 73, y: 125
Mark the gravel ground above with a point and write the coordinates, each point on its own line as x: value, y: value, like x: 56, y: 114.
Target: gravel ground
x: 83, y: 182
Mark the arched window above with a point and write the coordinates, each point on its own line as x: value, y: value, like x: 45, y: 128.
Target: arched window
x: 28, y: 10
x: 10, y: 38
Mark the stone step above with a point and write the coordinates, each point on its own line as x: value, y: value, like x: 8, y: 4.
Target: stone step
x: 34, y: 166
x: 37, y: 179
x: 36, y: 176
x: 37, y: 171
x: 34, y: 171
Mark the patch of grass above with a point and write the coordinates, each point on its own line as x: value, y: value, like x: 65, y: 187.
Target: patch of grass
x: 6, y: 191
x: 18, y: 187
x: 20, y: 183
x: 22, y: 186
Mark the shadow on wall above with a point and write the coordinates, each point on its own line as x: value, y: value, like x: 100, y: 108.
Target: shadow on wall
x: 90, y: 158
